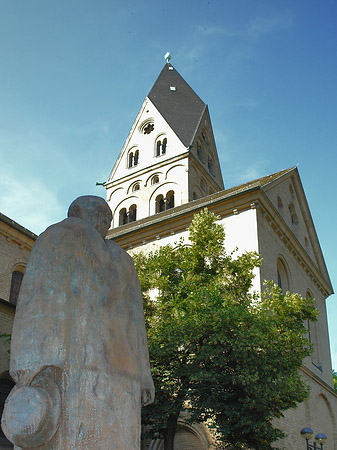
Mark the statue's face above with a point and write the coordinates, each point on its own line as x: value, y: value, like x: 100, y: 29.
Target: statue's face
x: 103, y: 222
x: 93, y: 210
x: 99, y: 217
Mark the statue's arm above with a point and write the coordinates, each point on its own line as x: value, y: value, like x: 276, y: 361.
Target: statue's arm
x: 39, y: 331
x: 148, y: 390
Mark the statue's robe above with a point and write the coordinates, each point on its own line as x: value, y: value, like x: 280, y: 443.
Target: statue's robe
x: 80, y: 311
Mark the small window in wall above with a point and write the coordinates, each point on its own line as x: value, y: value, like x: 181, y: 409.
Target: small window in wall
x: 17, y: 276
x: 210, y: 164
x: 313, y: 338
x: 293, y: 215
x: 130, y: 159
x: 170, y: 200
x: 133, y: 159
x: 123, y: 217
x: 132, y: 213
x: 194, y: 196
x: 280, y: 205
x: 161, y: 147
x: 200, y: 152
x: 160, y: 204
x: 163, y: 204
x: 135, y: 187
x: 148, y: 128
x: 282, y: 276
x: 155, y: 179
x: 127, y: 216
x: 136, y: 158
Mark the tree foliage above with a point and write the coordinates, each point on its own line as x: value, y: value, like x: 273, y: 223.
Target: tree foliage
x: 228, y: 356
x: 334, y: 375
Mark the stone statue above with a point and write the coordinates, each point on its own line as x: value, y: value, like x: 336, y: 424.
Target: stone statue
x: 79, y: 351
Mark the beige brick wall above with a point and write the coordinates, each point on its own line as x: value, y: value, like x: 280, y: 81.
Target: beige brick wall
x: 6, y: 324
x: 318, y: 412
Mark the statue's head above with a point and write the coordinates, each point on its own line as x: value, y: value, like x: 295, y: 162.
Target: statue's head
x: 93, y: 210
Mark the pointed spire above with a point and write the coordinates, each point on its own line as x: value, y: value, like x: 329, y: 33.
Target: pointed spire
x: 176, y: 101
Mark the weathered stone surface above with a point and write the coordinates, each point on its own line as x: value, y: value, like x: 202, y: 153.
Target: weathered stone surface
x: 80, y: 325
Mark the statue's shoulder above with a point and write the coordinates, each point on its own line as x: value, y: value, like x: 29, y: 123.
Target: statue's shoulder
x: 64, y: 233
x: 118, y: 253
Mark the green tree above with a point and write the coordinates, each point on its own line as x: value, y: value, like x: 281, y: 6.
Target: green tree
x: 227, y: 356
x: 334, y: 375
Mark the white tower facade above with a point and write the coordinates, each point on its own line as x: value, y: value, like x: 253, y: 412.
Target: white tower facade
x: 169, y: 157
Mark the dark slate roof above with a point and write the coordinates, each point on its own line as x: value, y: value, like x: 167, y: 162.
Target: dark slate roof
x: 182, y: 109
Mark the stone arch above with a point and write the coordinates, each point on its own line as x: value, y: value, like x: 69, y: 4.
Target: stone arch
x: 150, y: 178
x: 187, y: 437
x: 196, y: 189
x: 172, y: 168
x: 323, y: 424
x: 163, y: 189
x: 124, y: 203
x: 114, y: 192
x: 132, y: 186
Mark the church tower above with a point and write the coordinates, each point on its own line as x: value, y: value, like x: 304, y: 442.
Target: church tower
x: 169, y: 157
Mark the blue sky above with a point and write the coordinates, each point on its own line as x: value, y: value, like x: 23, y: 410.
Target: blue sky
x: 74, y: 74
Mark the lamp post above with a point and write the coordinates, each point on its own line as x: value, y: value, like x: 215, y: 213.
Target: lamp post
x: 320, y: 438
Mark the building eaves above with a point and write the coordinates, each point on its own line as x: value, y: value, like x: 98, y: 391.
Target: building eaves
x: 18, y: 227
x: 177, y: 102
x: 195, y: 205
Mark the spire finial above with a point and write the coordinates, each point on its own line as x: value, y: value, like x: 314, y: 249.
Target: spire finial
x: 168, y: 57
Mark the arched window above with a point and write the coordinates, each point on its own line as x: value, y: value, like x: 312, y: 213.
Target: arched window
x: 293, y: 215
x: 133, y: 159
x: 136, y: 158
x: 130, y: 160
x: 170, y: 200
x: 132, y: 213
x: 279, y: 205
x: 210, y: 164
x: 313, y: 338
x: 161, y: 147
x: 155, y: 179
x: 164, y: 145
x: 17, y: 276
x: 135, y: 187
x: 282, y: 276
x: 160, y: 204
x: 203, y: 184
x: 123, y: 217
x: 200, y: 152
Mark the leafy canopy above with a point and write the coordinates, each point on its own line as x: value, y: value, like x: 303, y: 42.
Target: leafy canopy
x: 228, y: 356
